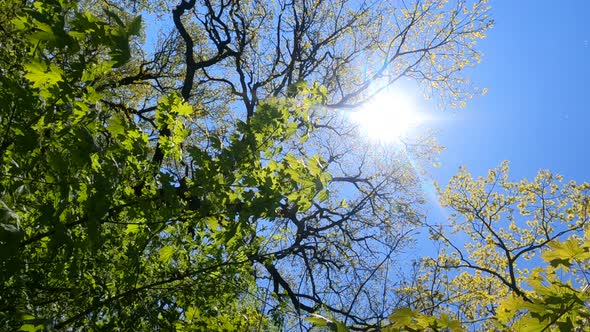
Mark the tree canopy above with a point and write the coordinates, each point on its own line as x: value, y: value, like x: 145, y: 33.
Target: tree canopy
x: 185, y: 166
x: 513, y: 257
x: 208, y: 181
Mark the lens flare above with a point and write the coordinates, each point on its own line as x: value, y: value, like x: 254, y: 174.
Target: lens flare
x: 388, y: 117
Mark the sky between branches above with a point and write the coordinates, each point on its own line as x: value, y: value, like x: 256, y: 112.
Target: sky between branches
x: 537, y: 111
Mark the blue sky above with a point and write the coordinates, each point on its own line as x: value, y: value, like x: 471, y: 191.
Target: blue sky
x: 537, y: 111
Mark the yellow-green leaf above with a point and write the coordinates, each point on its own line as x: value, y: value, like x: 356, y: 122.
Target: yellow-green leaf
x: 166, y: 254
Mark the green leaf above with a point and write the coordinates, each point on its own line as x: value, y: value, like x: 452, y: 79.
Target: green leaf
x: 182, y: 108
x: 402, y: 317
x: 562, y: 253
x: 41, y: 76
x: 19, y: 23
x: 31, y: 328
x: 322, y: 196
x: 116, y: 125
x: 166, y: 254
x: 340, y: 327
x: 45, y: 33
x: 343, y: 203
x: 530, y: 324
x: 452, y: 324
x: 134, y: 27
x: 120, y: 51
x: 132, y: 229
x: 95, y: 162
x: 213, y: 223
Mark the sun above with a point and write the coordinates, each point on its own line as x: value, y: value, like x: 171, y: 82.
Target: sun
x: 388, y: 117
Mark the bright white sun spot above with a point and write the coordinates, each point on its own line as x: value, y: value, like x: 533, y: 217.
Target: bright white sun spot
x: 388, y: 117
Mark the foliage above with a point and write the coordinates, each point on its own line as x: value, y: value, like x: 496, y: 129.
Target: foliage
x: 165, y: 189
x: 92, y: 229
x: 520, y: 261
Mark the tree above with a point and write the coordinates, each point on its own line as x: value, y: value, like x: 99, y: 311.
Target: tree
x: 516, y: 258
x: 167, y: 189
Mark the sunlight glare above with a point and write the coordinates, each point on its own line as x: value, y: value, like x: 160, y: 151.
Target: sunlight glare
x: 388, y: 117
